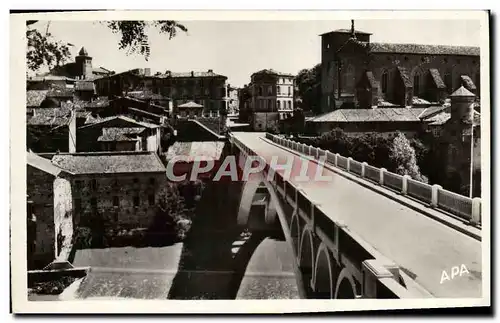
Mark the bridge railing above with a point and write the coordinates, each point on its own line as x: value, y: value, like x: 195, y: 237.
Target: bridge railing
x: 432, y: 195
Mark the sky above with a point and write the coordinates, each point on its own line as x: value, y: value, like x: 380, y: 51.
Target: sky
x: 239, y: 48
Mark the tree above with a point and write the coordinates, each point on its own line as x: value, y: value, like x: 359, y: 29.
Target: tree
x: 43, y: 50
x: 404, y: 157
x: 308, y: 82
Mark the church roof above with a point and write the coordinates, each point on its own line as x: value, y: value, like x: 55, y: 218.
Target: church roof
x: 423, y: 49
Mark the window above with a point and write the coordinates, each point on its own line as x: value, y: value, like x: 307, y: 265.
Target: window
x: 270, y: 105
x: 289, y: 105
x: 289, y: 90
x: 416, y: 84
x: 151, y: 199
x: 78, y: 184
x: 384, y: 82
x: 116, y: 202
x: 135, y: 180
x: 136, y: 201
x: 448, y: 81
x: 152, y: 181
x: 93, y: 184
x: 269, y: 90
x: 278, y: 89
x: 260, y: 90
x: 279, y: 105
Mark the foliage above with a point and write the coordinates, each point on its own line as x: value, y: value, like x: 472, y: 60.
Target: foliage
x: 43, y: 50
x: 396, y: 155
x: 404, y: 156
x: 172, y: 205
x: 134, y: 34
x: 308, y: 82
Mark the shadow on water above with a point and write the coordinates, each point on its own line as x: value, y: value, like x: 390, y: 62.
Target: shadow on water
x: 209, y: 268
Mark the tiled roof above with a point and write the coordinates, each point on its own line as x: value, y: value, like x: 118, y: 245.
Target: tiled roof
x: 419, y: 101
x: 189, y: 74
x: 382, y: 103
x: 405, y: 76
x: 271, y: 71
x: 147, y: 95
x: 438, y: 119
x: 346, y: 31
x: 60, y: 93
x: 35, y: 97
x: 42, y: 164
x: 423, y: 49
x: 120, y: 134
x: 190, y: 104
x: 126, y: 119
x: 84, y: 86
x: 49, y: 117
x: 101, y: 70
x: 99, y: 102
x: 199, y: 150
x: 436, y: 77
x: 467, y: 82
x: 462, y: 92
x: 48, y: 77
x: 109, y: 163
x: 430, y: 111
x: 371, y: 115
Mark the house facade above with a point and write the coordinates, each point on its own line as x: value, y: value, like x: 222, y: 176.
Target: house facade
x: 208, y: 89
x: 119, y: 133
x: 114, y: 189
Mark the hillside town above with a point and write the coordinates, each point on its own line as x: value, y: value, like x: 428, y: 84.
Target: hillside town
x: 99, y: 141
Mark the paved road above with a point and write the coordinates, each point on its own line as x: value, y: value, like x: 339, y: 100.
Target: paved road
x: 422, y: 246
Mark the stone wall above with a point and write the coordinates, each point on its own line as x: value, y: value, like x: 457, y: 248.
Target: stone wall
x: 111, y: 198
x: 40, y: 191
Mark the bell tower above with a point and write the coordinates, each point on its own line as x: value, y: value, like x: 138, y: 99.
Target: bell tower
x: 84, y: 64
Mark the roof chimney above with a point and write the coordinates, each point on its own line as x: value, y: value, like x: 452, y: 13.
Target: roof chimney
x: 192, y: 74
x: 210, y: 71
x: 168, y: 72
x: 147, y: 71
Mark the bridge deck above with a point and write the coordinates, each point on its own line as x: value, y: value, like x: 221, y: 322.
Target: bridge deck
x: 421, y: 246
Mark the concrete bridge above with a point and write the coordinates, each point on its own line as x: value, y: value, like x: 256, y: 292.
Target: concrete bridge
x: 366, y: 233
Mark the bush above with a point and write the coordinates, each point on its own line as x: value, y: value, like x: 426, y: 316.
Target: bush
x: 54, y: 287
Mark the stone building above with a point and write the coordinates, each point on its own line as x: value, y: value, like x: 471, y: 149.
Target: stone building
x: 81, y: 68
x: 204, y: 88
x: 358, y: 73
x: 232, y: 100
x: 119, y: 133
x: 51, y: 130
x: 272, y: 98
x: 49, y: 191
x: 114, y: 189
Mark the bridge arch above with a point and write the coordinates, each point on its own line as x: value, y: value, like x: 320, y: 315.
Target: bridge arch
x: 306, y: 257
x: 295, y: 231
x: 323, y: 273
x: 346, y: 286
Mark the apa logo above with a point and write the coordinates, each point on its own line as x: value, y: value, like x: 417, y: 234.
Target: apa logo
x: 455, y: 271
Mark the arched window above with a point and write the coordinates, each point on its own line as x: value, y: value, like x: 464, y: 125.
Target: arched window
x: 448, y: 80
x: 385, y: 81
x: 416, y: 83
